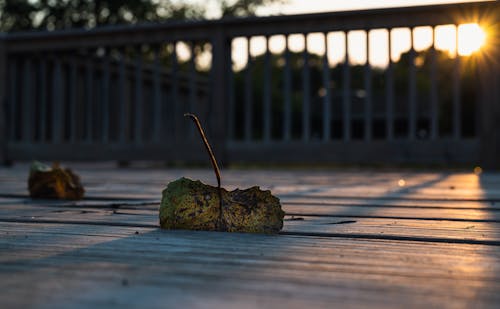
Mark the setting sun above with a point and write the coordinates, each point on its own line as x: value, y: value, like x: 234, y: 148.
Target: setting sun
x: 470, y: 38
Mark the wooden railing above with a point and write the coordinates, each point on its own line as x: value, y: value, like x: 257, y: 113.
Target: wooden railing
x: 119, y: 93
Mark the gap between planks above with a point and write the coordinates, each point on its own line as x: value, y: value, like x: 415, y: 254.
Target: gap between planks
x: 295, y: 233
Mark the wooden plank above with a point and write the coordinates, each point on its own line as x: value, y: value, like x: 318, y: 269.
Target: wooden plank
x: 341, y: 243
x: 314, y: 183
x: 175, y: 268
x: 113, y: 193
x: 458, y: 225
x: 409, y: 192
x: 115, y: 197
x: 381, y: 228
x: 464, y: 215
x: 367, y: 201
x: 431, y: 190
x: 471, y: 232
x: 302, y: 218
x: 50, y: 212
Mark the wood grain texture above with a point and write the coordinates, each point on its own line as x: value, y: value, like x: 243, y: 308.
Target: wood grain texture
x: 111, y: 266
x: 422, y: 224
x: 351, y: 239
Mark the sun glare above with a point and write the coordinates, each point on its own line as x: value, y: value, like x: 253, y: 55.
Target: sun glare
x: 470, y: 38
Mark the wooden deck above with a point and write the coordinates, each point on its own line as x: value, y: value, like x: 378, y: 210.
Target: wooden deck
x: 351, y: 239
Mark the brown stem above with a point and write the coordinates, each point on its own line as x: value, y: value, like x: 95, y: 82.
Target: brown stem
x: 221, y: 225
x: 207, y: 146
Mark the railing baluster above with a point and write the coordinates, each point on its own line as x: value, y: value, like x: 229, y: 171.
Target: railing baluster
x: 89, y: 80
x: 72, y: 88
x: 138, y: 97
x: 57, y: 108
x: 346, y: 91
x: 122, y: 126
x: 456, y: 91
x: 28, y: 111
x: 13, y: 99
x: 368, y: 91
x: 105, y: 96
x: 43, y: 98
x: 306, y: 88
x: 389, y: 93
x: 287, y: 95
x: 412, y: 92
x: 177, y: 117
x: 157, y: 108
x: 4, y: 122
x: 434, y: 90
x: 192, y: 86
x: 221, y: 51
x: 231, y: 109
x: 267, y: 93
x: 327, y: 95
x: 248, y: 109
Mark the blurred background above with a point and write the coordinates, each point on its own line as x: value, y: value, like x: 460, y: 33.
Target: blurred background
x: 329, y: 82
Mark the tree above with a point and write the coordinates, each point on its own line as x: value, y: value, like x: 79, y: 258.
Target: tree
x: 243, y: 7
x: 21, y: 15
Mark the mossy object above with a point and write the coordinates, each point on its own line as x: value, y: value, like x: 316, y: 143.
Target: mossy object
x: 193, y: 205
x: 54, y: 182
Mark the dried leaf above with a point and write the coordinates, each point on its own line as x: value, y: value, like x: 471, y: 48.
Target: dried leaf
x: 193, y: 205
x: 54, y: 182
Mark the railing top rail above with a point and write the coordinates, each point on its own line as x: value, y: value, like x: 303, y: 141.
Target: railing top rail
x: 284, y: 24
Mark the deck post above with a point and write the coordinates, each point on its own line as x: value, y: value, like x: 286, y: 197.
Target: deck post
x: 221, y: 49
x: 489, y: 128
x: 3, y: 102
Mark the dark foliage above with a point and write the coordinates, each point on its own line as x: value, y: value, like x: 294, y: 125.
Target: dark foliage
x: 22, y: 15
